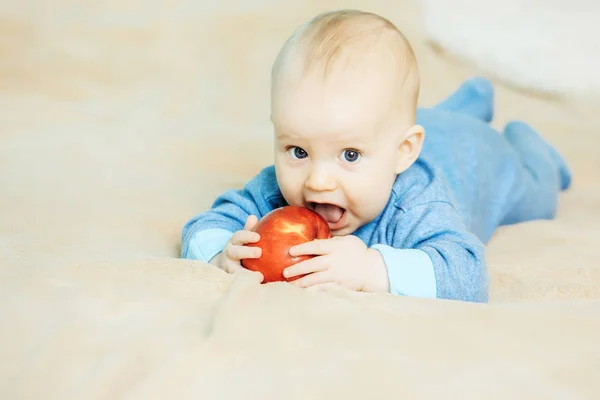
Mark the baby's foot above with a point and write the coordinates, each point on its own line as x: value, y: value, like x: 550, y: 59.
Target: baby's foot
x: 522, y: 136
x: 475, y: 97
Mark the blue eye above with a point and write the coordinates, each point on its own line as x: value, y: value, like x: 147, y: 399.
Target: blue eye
x: 351, y: 155
x: 297, y: 152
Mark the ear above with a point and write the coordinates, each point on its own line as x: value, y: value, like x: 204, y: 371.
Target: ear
x: 410, y: 148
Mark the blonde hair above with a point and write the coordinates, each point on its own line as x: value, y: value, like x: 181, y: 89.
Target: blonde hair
x: 341, y: 37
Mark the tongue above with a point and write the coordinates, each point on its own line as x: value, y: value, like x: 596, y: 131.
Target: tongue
x: 329, y: 212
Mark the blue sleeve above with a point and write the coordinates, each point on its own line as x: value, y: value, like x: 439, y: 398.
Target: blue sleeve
x: 410, y: 271
x: 205, y: 244
x: 207, y: 233
x: 434, y: 255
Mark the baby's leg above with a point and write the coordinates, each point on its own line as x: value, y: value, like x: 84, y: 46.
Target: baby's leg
x: 542, y: 176
x: 475, y: 97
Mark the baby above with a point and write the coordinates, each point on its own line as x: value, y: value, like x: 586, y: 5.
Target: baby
x: 411, y: 194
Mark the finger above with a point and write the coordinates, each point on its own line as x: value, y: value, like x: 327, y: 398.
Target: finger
x: 259, y: 275
x: 317, y: 278
x: 238, y: 269
x: 251, y: 221
x: 238, y: 253
x: 233, y: 267
x: 242, y: 237
x: 316, y: 247
x: 311, y: 265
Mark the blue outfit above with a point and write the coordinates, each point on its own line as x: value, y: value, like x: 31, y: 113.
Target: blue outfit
x: 468, y: 180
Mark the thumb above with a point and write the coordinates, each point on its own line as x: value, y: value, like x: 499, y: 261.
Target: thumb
x: 256, y: 274
x: 251, y: 222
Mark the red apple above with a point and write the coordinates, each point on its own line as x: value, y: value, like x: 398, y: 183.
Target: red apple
x: 279, y: 230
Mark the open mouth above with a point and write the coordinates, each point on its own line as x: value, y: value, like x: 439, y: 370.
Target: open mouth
x: 333, y: 214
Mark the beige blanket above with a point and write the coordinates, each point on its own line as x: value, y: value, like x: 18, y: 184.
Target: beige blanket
x: 121, y: 119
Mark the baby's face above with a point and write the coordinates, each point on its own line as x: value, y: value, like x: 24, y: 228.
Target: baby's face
x: 336, y: 148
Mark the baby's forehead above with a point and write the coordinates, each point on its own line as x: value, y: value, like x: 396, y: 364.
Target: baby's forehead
x: 373, y: 74
x: 359, y: 97
x: 312, y: 112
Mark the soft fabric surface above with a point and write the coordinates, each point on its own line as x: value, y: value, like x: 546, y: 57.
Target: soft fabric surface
x: 543, y: 45
x: 121, y: 119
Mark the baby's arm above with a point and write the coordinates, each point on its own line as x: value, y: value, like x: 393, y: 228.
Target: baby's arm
x: 433, y: 255
x: 206, y: 234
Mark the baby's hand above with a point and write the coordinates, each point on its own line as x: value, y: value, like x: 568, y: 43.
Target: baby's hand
x: 230, y: 258
x: 342, y: 260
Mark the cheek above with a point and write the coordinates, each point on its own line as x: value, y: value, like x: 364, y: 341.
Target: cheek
x: 372, y: 188
x: 290, y: 183
x: 375, y: 176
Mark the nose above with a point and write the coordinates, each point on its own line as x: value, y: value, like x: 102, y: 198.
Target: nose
x: 320, y: 179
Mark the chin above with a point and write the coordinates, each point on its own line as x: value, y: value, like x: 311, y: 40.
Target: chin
x: 343, y: 232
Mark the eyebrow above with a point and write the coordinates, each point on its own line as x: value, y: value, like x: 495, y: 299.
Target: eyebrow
x: 358, y: 141
x: 346, y: 143
x: 286, y: 136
